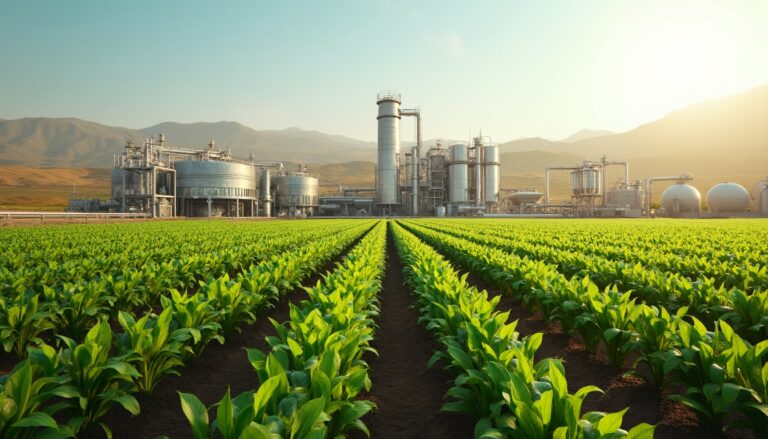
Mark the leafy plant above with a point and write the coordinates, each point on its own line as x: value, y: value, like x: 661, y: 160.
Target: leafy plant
x: 95, y: 380
x: 27, y: 397
x: 21, y: 323
x: 154, y: 349
x: 195, y: 315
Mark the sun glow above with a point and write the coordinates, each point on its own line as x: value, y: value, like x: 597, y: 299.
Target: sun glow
x: 679, y: 58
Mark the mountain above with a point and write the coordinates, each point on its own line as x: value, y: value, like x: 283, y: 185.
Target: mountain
x: 586, y: 134
x: 60, y: 142
x: 731, y: 128
x: 719, y: 140
x: 75, y: 142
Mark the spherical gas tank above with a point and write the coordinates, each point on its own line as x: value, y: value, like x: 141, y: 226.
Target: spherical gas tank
x: 728, y: 198
x: 681, y: 198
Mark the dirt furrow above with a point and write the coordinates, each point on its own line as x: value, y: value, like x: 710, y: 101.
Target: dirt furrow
x: 408, y: 395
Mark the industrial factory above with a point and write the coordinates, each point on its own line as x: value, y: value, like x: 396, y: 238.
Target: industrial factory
x: 462, y: 179
x: 164, y: 181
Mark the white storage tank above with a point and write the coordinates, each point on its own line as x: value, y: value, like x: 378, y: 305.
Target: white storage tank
x: 492, y: 176
x: 296, y: 191
x: 586, y: 181
x: 458, y: 174
x: 681, y: 199
x: 728, y: 198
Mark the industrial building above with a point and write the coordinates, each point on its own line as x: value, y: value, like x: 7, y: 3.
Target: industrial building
x: 164, y: 181
x: 460, y: 179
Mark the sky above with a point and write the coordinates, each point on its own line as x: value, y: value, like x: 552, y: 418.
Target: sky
x: 509, y: 68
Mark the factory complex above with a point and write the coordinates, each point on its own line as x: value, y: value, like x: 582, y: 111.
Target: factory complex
x: 459, y: 179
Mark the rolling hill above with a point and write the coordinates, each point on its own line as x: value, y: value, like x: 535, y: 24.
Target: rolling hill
x: 74, y: 142
x: 719, y: 140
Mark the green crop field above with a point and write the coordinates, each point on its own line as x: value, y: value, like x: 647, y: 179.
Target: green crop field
x: 397, y: 328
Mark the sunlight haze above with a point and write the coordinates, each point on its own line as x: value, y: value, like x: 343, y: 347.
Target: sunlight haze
x: 512, y: 69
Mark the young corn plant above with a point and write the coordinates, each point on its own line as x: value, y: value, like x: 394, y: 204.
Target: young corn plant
x: 657, y: 334
x: 609, y: 319
x: 126, y: 290
x: 747, y: 365
x: 77, y: 308
x: 749, y: 314
x: 232, y: 301
x: 155, y: 350
x: 27, y: 397
x: 699, y: 363
x: 21, y: 323
x: 195, y: 315
x: 95, y: 380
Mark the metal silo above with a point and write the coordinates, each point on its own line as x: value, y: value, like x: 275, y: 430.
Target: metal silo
x: 585, y: 181
x: 296, y: 192
x: 215, y: 188
x: 387, y: 183
x: 492, y: 165
x: 764, y: 201
x: 117, y: 183
x: 458, y: 183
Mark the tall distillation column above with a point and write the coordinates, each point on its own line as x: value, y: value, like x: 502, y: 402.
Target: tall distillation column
x: 387, y: 178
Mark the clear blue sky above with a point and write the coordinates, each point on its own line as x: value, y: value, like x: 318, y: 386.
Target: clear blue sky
x: 514, y: 69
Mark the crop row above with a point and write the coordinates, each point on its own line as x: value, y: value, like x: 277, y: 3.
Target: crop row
x: 723, y: 374
x: 497, y: 380
x: 634, y: 240
x: 310, y: 378
x: 71, y: 310
x: 650, y: 269
x: 746, y: 310
x: 82, y: 381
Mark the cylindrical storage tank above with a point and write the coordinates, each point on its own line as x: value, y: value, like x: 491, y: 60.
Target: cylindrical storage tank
x: 681, y: 198
x: 492, y: 174
x: 585, y: 181
x: 764, y: 201
x: 387, y: 188
x: 265, y: 192
x: 728, y: 198
x: 440, y: 211
x: 458, y: 175
x: 295, y: 191
x: 197, y: 179
x: 117, y: 183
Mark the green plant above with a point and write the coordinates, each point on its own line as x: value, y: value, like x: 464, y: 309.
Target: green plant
x: 195, y: 315
x: 657, y: 334
x: 95, y: 380
x: 27, y: 395
x: 21, y: 323
x: 154, y: 349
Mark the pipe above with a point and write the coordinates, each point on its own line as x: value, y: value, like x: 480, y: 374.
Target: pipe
x: 415, y: 155
x: 478, y: 176
x: 414, y: 181
x: 546, y: 179
x: 649, y: 181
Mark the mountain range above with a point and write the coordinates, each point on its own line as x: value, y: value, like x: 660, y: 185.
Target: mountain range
x: 717, y: 140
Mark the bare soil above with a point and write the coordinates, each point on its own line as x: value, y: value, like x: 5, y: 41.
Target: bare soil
x: 408, y: 395
x: 582, y: 368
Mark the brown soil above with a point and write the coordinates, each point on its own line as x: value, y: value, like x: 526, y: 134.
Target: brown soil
x: 408, y: 395
x: 208, y: 377
x: 219, y: 368
x: 583, y: 368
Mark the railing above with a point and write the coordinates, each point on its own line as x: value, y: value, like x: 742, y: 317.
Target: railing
x: 388, y: 94
x: 42, y: 216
